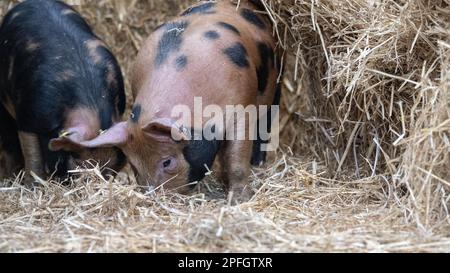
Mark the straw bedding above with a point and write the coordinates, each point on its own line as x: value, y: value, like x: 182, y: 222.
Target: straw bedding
x: 364, y: 163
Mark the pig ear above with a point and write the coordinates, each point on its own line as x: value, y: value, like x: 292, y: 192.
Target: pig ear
x: 68, y: 140
x: 64, y: 144
x: 115, y: 136
x: 165, y: 130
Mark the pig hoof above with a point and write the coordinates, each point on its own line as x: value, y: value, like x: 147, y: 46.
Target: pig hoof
x: 241, y: 195
x: 29, y: 182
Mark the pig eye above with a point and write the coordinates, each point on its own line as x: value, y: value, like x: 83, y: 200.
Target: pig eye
x: 169, y: 164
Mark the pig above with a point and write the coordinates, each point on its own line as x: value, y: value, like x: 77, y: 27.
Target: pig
x: 223, y: 55
x: 59, y: 85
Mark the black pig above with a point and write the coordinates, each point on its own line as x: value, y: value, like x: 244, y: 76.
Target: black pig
x: 59, y: 85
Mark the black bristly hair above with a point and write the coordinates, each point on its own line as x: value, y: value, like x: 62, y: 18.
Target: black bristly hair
x: 200, y: 155
x: 31, y: 77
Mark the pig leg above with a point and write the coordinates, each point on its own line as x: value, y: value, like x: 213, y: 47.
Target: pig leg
x: 32, y: 155
x: 258, y: 156
x: 10, y: 163
x: 11, y: 160
x: 236, y: 169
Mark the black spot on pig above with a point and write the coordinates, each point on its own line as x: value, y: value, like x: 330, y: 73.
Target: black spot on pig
x: 253, y: 18
x: 238, y: 55
x: 136, y: 113
x: 181, y: 62
x: 200, y: 153
x: 266, y: 55
x: 229, y: 27
x: 205, y: 8
x: 170, y: 41
x: 212, y: 35
x: 258, y: 4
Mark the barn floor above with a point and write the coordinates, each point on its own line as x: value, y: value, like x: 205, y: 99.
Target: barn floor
x: 295, y: 209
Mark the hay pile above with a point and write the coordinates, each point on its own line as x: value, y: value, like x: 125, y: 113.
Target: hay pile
x: 374, y: 92
x: 364, y: 164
